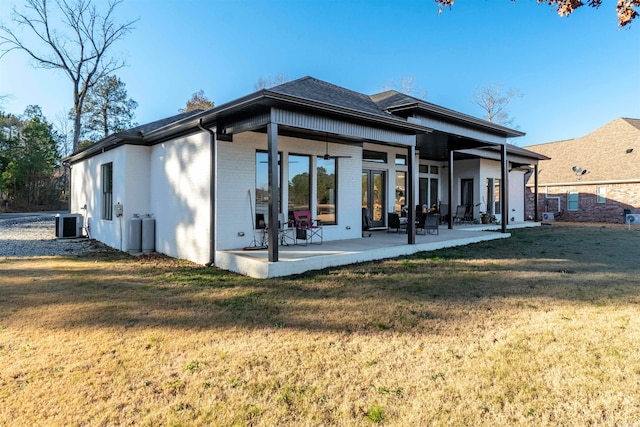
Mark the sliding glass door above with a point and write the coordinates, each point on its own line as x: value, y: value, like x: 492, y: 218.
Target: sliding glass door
x: 373, y: 196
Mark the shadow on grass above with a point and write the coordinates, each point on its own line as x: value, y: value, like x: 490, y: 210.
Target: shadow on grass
x: 581, y: 265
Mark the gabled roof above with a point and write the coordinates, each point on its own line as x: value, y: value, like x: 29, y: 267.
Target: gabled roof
x: 320, y: 91
x: 399, y: 103
x: 609, y: 153
x: 305, y: 94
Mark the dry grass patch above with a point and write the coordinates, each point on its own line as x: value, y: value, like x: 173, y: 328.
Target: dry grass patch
x: 539, y: 329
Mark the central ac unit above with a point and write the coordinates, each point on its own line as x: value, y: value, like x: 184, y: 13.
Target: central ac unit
x: 632, y: 219
x: 547, y: 216
x: 68, y: 225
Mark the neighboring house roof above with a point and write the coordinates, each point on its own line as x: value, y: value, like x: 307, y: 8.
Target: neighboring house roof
x: 609, y: 153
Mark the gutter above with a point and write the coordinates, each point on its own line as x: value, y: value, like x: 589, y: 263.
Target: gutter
x: 578, y: 183
x: 212, y: 194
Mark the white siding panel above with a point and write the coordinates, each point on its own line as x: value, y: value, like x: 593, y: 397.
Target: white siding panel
x: 86, y: 190
x: 236, y: 178
x: 179, y: 197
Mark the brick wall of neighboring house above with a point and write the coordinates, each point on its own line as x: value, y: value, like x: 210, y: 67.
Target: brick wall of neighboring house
x: 618, y: 197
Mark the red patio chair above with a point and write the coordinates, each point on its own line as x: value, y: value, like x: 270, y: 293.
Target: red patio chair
x: 307, y: 229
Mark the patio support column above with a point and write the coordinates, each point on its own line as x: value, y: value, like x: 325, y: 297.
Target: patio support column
x: 451, y: 205
x: 274, y: 191
x: 409, y: 193
x: 504, y: 188
x: 535, y: 192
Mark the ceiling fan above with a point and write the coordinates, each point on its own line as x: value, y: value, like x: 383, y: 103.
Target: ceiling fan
x: 327, y: 156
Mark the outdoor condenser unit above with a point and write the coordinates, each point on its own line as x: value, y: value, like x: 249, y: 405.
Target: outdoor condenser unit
x: 547, y: 216
x: 68, y: 225
x: 632, y: 219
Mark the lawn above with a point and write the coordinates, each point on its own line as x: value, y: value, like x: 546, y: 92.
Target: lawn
x: 540, y: 329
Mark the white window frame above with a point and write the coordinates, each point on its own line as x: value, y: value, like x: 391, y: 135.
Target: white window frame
x: 601, y: 194
x: 106, y: 170
x: 570, y: 203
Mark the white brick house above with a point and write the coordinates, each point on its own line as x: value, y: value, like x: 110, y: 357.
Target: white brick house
x: 306, y: 144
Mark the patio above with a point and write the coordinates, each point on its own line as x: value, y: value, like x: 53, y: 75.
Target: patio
x: 381, y: 245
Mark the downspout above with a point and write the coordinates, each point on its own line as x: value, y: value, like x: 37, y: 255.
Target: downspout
x: 212, y: 194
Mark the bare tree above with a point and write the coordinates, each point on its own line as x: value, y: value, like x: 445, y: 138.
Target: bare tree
x: 75, y: 42
x: 408, y: 86
x: 271, y: 81
x: 63, y: 128
x: 626, y: 9
x: 198, y: 101
x: 493, y: 99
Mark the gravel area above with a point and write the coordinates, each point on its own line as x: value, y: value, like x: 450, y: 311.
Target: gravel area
x: 35, y: 236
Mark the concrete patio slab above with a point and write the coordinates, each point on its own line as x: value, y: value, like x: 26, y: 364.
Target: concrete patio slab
x: 381, y: 245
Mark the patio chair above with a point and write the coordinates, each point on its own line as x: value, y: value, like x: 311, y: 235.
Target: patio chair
x: 393, y: 222
x: 366, y: 223
x: 307, y: 229
x: 444, y: 212
x: 431, y: 223
x: 459, y: 216
x: 284, y: 231
x: 468, y: 214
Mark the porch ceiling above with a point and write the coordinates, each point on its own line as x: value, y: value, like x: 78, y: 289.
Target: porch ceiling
x: 436, y: 146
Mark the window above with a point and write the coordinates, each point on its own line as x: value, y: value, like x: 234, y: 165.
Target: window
x: 401, y: 185
x: 601, y: 194
x: 497, y: 207
x: 401, y: 159
x: 434, y: 170
x: 433, y: 192
x: 107, y: 191
x: 493, y: 197
x: 299, y: 183
x: 423, y: 168
x: 262, y: 184
x: 572, y: 200
x: 374, y: 156
x: 327, y: 191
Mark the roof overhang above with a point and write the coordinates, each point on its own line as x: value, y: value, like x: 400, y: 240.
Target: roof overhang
x: 254, y: 111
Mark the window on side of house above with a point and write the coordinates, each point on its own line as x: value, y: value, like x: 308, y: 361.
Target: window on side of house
x: 401, y: 159
x: 601, y: 194
x: 572, y: 200
x: 262, y: 184
x: 327, y: 190
x: 299, y: 182
x: 374, y: 156
x: 401, y: 186
x: 107, y: 191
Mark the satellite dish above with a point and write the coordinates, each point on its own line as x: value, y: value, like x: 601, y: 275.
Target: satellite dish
x: 583, y: 172
x: 576, y: 169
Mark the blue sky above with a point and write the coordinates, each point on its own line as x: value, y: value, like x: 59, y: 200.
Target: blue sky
x: 574, y: 74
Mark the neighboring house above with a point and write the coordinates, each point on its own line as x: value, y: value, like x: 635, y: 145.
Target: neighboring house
x: 303, y: 145
x: 592, y: 178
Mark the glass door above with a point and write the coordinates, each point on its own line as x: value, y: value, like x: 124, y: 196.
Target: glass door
x: 373, y: 196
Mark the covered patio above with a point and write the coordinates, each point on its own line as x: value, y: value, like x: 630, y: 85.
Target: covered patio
x: 296, y: 259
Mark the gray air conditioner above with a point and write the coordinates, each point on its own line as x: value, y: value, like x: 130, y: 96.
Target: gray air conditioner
x: 547, y: 216
x: 68, y: 226
x: 632, y: 219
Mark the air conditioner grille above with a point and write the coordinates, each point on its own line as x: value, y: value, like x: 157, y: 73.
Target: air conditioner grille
x: 632, y: 219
